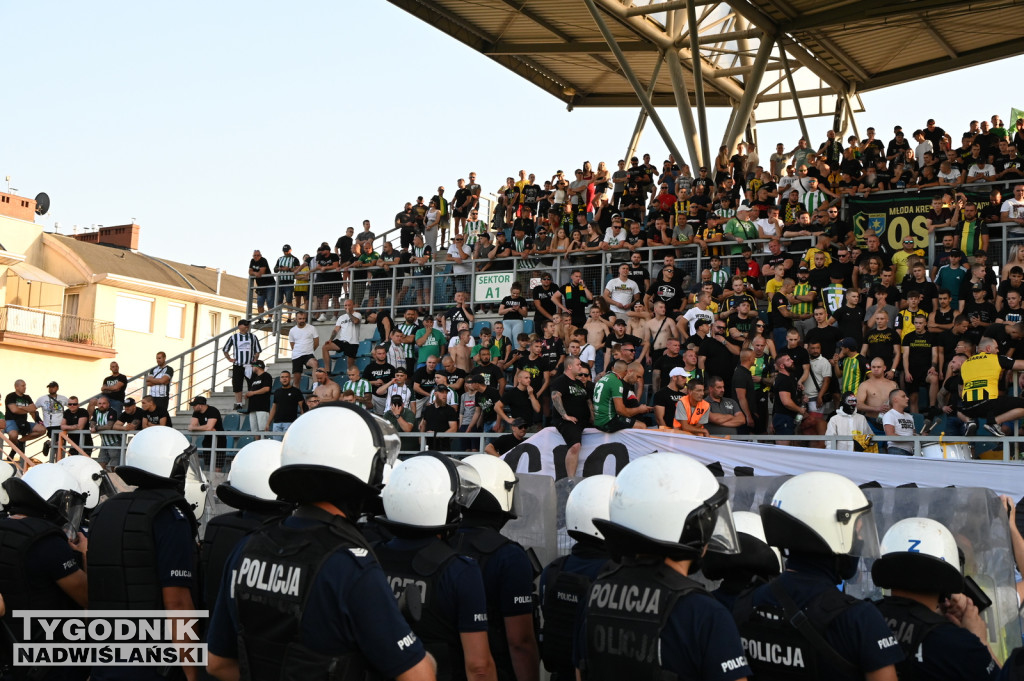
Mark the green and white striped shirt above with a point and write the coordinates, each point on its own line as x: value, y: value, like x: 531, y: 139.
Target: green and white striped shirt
x: 361, y: 388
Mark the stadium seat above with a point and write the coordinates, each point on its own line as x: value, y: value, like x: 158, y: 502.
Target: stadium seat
x: 232, y: 421
x: 306, y: 384
x: 363, y: 362
x: 365, y: 348
x: 479, y: 326
x: 376, y: 335
x: 277, y: 384
x: 528, y: 326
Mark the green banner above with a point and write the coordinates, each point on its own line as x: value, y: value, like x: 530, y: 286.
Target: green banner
x: 894, y: 217
x: 1012, y: 123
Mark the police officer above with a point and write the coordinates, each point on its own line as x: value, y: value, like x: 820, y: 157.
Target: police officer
x: 507, y: 569
x: 921, y: 566
x: 800, y: 626
x: 754, y: 565
x: 92, y: 479
x: 422, y: 503
x: 248, y: 490
x: 39, y: 569
x: 304, y: 597
x: 646, y: 619
x: 566, y: 580
x: 143, y: 543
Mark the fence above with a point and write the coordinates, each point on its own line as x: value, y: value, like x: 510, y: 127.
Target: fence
x: 56, y: 326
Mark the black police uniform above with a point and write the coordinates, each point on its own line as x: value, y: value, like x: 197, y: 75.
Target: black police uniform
x: 305, y: 599
x: 935, y: 648
x: 34, y: 554
x: 451, y: 592
x: 508, y: 582
x: 645, y: 621
x: 222, y: 535
x: 857, y: 637
x: 139, y: 543
x: 564, y: 585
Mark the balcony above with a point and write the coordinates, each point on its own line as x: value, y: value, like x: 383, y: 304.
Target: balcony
x: 52, y: 332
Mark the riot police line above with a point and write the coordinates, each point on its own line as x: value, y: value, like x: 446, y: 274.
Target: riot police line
x: 339, y: 562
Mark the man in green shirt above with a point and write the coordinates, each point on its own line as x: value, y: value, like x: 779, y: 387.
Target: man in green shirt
x: 368, y: 259
x: 610, y: 394
x: 429, y: 341
x: 740, y: 228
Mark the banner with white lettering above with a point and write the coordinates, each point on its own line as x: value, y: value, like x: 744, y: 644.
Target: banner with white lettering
x: 895, y: 217
x: 544, y: 453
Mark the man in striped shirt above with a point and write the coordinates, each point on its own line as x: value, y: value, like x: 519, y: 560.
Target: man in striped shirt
x: 242, y: 349
x: 849, y: 365
x: 814, y: 198
x: 360, y: 387
x: 286, y: 265
x: 409, y: 326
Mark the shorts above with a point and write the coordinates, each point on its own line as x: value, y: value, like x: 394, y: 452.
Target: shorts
x: 280, y: 427
x: 784, y: 425
x: 991, y: 408
x: 456, y: 213
x: 572, y: 433
x: 347, y: 349
x: 258, y: 421
x: 299, y: 363
x: 238, y: 378
x: 616, y: 424
x: 24, y: 428
x: 109, y: 455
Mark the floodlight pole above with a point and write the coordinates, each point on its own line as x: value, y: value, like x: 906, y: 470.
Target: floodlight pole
x: 792, y: 91
x: 675, y: 70
x: 751, y: 85
x: 627, y: 71
x: 641, y: 119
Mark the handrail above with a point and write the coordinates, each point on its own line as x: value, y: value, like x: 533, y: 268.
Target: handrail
x: 26, y: 462
x: 56, y: 326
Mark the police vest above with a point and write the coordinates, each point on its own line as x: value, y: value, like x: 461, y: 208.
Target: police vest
x: 627, y: 609
x: 272, y: 583
x: 423, y: 569
x: 563, y: 595
x: 911, y: 623
x: 123, y: 572
x: 17, y: 537
x: 481, y: 544
x: 221, y: 537
x: 777, y: 651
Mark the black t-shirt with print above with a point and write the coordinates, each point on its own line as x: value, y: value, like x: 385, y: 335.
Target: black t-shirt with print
x: 516, y: 305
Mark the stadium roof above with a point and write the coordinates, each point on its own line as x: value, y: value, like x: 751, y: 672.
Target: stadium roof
x: 610, y: 52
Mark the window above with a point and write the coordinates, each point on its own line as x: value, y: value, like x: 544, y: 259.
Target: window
x: 71, y: 304
x: 234, y: 320
x: 175, y: 320
x: 214, y: 324
x: 134, y: 313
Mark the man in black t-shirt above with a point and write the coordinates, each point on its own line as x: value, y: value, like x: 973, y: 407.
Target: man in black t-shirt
x: 113, y: 387
x: 544, y: 303
x: 485, y: 419
x: 574, y: 298
x: 208, y: 419
x: 537, y: 366
x: 518, y: 400
x: 573, y: 411
x: 153, y: 414
x: 506, y: 443
x: 259, y: 397
x: 439, y: 417
x: 377, y: 373
x: 288, y: 403
x: 490, y: 375
x: 460, y: 312
x: 18, y: 405
x: 666, y: 398
x: 788, y: 399
x: 849, y: 319
x: 718, y: 360
x: 259, y: 268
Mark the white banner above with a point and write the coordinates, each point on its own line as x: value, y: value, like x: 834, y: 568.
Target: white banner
x: 544, y: 453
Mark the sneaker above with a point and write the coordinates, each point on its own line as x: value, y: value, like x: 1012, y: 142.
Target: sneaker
x: 971, y: 428
x: 322, y: 318
x: 995, y: 430
x: 238, y: 406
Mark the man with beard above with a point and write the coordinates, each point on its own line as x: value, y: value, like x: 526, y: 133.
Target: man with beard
x: 667, y: 289
x: 492, y: 376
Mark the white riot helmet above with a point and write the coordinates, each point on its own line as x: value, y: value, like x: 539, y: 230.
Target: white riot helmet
x: 335, y: 453
x: 919, y: 554
x: 590, y: 498
x: 426, y: 494
x: 755, y: 558
x: 669, y: 505
x: 6, y: 472
x: 50, y: 492
x: 822, y: 514
x: 159, y: 455
x: 248, y: 484
x: 497, y: 485
x: 91, y: 477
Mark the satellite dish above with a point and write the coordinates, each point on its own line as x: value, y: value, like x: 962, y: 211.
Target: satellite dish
x: 42, y: 203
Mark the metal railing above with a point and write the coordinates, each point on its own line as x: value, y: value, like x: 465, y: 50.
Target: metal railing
x: 56, y: 326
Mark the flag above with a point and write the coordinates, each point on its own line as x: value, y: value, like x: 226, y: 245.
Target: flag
x: 1014, y: 115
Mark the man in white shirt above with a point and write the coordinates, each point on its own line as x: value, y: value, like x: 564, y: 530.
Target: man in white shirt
x: 344, y: 337
x: 923, y: 146
x: 1013, y: 211
x: 981, y: 172
x: 459, y: 254
x: 898, y: 422
x: 699, y: 311
x: 304, y: 340
x: 621, y: 293
x: 50, y: 408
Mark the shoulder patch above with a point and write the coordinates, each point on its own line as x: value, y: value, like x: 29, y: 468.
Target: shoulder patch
x: 359, y: 553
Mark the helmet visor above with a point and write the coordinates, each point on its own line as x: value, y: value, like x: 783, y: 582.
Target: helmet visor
x: 723, y: 537
x: 864, y: 536
x: 197, y: 489
x: 71, y: 507
x: 392, y: 443
x: 467, y: 483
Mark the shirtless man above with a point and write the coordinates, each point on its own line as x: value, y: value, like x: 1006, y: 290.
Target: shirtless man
x: 597, y: 328
x: 873, y: 394
x: 461, y: 349
x: 563, y: 327
x: 326, y: 389
x: 657, y: 331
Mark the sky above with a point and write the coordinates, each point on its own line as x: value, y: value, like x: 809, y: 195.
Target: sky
x: 228, y: 126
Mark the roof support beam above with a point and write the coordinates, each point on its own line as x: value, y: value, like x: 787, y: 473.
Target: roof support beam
x: 631, y: 77
x: 750, y: 89
x: 654, y: 8
x: 506, y: 48
x: 698, y: 80
x: 937, y: 37
x: 744, y: 70
x: 641, y: 119
x: 792, y: 90
x: 876, y: 11
x: 1002, y: 50
x: 675, y: 70
x: 715, y: 38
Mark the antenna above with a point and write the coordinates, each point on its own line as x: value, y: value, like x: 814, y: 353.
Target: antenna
x: 42, y: 203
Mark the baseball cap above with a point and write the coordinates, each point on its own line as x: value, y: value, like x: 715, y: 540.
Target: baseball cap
x: 401, y: 370
x: 475, y: 380
x: 849, y: 343
x: 129, y: 402
x: 197, y: 400
x: 518, y: 423
x: 258, y: 363
x: 286, y: 247
x: 53, y: 384
x: 677, y: 371
x: 396, y: 399
x: 803, y: 270
x: 979, y: 286
x: 619, y: 322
